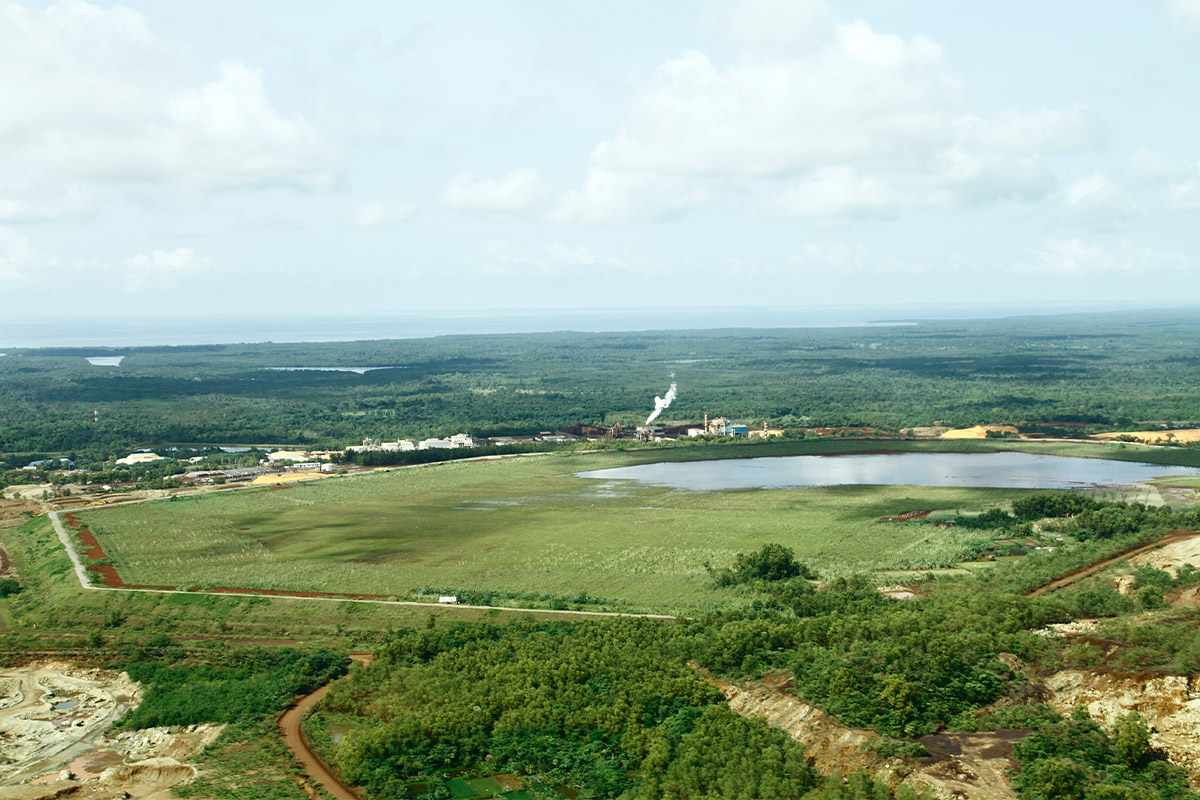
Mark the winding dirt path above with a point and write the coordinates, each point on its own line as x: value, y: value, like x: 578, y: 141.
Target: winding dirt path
x: 293, y: 736
x: 1092, y: 569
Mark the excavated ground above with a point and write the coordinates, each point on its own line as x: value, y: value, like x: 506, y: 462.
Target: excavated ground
x: 966, y: 766
x: 1170, y: 705
x: 55, y: 739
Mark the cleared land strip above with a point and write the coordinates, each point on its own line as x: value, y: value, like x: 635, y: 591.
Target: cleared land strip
x: 85, y: 582
x: 1092, y: 569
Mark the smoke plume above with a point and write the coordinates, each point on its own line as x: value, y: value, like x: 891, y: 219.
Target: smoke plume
x: 661, y: 404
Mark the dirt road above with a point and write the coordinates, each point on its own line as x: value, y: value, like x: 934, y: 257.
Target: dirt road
x: 293, y: 736
x: 1092, y: 569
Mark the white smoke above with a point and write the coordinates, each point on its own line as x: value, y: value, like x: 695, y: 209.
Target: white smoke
x: 661, y: 404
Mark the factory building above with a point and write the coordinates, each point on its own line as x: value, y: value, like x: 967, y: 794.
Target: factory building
x: 719, y: 427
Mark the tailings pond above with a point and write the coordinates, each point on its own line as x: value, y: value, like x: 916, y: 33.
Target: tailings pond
x: 1015, y: 470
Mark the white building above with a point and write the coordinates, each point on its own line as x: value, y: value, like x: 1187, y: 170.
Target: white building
x: 454, y: 442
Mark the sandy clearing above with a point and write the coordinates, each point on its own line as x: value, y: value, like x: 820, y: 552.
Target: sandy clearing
x: 50, y: 713
x: 55, y: 727
x: 1185, y: 435
x: 287, y: 477
x: 978, y: 432
x: 1171, y: 557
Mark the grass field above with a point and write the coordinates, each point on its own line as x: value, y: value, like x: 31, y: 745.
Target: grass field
x: 523, y: 528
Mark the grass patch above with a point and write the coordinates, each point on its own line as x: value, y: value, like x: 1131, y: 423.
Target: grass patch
x: 524, y: 526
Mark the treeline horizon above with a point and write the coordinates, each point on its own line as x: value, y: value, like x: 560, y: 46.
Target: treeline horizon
x: 1074, y: 373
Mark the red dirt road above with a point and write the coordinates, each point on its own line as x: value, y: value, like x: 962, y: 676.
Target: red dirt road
x: 293, y: 736
x: 1092, y: 569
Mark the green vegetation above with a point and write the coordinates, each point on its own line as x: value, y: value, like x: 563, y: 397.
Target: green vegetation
x: 607, y: 709
x: 1057, y: 374
x: 542, y: 701
x: 522, y: 528
x: 773, y: 562
x: 245, y: 686
x: 244, y: 689
x: 612, y: 707
x: 1073, y: 759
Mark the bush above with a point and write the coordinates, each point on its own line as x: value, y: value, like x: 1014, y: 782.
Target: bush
x: 773, y: 562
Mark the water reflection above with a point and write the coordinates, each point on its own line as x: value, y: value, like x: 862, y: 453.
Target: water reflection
x: 1016, y: 470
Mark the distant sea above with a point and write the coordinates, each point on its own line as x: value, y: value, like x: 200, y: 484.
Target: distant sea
x: 134, y: 330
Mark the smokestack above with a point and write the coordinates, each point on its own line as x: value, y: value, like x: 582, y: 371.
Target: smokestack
x: 706, y: 430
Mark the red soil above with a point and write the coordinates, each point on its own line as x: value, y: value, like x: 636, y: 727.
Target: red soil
x: 108, y: 576
x: 907, y: 515
x: 91, y: 548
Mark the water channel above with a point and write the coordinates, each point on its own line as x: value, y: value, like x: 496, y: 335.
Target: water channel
x: 1004, y: 470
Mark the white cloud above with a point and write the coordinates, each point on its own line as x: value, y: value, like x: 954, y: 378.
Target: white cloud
x: 165, y: 268
x: 1185, y: 196
x: 1044, y: 131
x: 839, y: 192
x: 843, y: 259
x: 857, y: 94
x: 1074, y: 257
x: 373, y: 214
x: 1184, y: 192
x: 1177, y: 180
x: 26, y: 196
x: 872, y: 123
x: 519, y: 190
x: 20, y: 260
x: 963, y: 177
x: 772, y: 27
x: 618, y: 196
x: 1187, y: 12
x: 1097, y: 203
x: 1149, y: 166
x: 92, y: 93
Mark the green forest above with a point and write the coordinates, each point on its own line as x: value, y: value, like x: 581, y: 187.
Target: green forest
x: 1056, y: 374
x: 550, y: 703
x: 623, y: 708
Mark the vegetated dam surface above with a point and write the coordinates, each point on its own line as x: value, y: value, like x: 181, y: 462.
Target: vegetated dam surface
x: 1002, y: 470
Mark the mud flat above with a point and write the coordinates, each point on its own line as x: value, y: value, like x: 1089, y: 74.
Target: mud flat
x: 56, y: 740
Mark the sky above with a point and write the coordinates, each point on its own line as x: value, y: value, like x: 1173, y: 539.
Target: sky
x: 320, y: 159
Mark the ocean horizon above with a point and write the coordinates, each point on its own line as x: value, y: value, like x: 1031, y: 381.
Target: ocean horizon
x: 144, y: 331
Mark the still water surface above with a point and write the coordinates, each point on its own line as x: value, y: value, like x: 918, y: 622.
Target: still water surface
x: 1015, y: 470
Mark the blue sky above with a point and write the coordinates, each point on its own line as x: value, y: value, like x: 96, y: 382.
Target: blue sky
x: 377, y: 157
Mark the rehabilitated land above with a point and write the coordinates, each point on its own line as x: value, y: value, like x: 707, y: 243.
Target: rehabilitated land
x: 505, y: 530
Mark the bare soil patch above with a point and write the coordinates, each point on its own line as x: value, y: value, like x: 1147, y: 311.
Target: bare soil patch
x: 1184, y: 436
x: 960, y: 766
x: 1171, y: 556
x: 978, y: 432
x: 1170, y: 705
x: 13, y: 512
x: 54, y: 727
